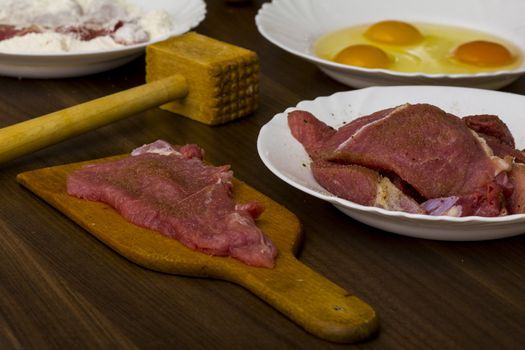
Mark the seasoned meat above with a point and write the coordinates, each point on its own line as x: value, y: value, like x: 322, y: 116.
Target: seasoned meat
x: 497, y: 135
x: 421, y: 144
x: 363, y: 186
x: 517, y: 199
x: 490, y: 125
x: 171, y: 190
x: 429, y: 160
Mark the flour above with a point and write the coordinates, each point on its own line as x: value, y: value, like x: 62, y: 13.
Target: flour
x: 55, y: 26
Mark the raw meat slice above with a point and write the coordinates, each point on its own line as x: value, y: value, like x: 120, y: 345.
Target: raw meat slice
x: 171, y: 190
x: 363, y: 186
x: 319, y: 139
x: 502, y: 149
x: 419, y: 151
x: 516, y: 202
x: 491, y: 125
x: 431, y: 150
x: 310, y: 131
x: 496, y: 134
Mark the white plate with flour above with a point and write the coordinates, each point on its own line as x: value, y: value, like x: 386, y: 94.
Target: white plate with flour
x: 35, y: 61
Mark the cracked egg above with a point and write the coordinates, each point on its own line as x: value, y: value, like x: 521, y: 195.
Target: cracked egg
x: 418, y: 47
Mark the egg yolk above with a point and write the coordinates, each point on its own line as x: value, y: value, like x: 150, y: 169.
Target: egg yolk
x: 483, y: 53
x: 394, y: 33
x: 366, y: 56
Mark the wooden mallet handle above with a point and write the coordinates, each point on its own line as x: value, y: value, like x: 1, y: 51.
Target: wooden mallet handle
x: 192, y: 75
x: 29, y: 136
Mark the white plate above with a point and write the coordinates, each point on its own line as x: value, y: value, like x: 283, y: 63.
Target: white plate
x: 287, y: 159
x: 295, y: 25
x: 186, y: 15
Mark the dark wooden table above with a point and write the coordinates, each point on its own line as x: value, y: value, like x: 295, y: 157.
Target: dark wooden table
x: 61, y: 288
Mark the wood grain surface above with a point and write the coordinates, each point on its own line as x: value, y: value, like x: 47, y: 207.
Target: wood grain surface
x: 61, y: 288
x: 313, y: 302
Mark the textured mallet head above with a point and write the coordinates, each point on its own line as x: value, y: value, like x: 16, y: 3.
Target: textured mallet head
x: 223, y: 79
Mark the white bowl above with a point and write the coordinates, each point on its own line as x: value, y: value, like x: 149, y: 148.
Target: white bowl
x: 295, y: 25
x: 287, y: 159
x: 186, y: 15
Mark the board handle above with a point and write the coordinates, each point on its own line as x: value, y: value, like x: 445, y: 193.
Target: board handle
x: 312, y: 301
x: 29, y: 136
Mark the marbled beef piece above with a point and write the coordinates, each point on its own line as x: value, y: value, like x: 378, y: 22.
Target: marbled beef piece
x: 172, y: 191
x: 363, y: 186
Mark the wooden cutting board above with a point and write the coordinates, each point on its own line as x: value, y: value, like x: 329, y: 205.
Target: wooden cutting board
x: 318, y: 305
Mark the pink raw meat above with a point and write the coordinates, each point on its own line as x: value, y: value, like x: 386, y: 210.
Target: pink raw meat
x: 437, y: 161
x: 171, y: 190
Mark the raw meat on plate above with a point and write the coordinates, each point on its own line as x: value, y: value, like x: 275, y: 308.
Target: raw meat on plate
x: 415, y: 158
